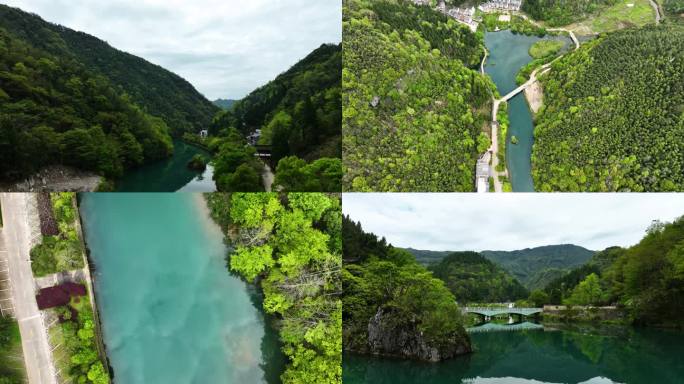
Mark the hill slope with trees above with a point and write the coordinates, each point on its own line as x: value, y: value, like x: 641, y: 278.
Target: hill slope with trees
x: 474, y: 279
x: 299, y: 115
x: 613, y: 117
x: 159, y: 92
x: 55, y: 110
x: 415, y: 113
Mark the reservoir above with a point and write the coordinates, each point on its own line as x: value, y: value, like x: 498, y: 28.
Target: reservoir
x: 170, y: 175
x: 624, y: 355
x: 170, y: 310
x: 508, y: 53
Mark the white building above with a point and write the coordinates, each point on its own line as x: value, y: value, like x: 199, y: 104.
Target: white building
x: 501, y: 5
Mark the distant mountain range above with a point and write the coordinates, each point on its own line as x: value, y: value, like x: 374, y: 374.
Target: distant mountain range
x: 224, y: 103
x: 533, y: 267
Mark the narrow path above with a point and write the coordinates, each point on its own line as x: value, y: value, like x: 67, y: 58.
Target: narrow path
x: 268, y: 177
x: 34, y: 338
x: 656, y: 7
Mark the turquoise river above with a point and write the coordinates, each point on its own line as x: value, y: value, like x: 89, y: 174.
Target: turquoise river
x: 620, y: 355
x: 170, y: 175
x: 170, y: 310
x: 508, y: 53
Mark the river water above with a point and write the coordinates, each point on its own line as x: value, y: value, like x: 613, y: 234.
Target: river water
x: 508, y: 52
x: 170, y: 175
x: 170, y: 310
x: 625, y: 355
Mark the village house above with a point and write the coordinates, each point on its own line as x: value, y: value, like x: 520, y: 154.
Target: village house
x: 501, y: 5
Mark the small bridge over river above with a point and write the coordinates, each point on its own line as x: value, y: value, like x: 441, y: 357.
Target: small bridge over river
x: 496, y: 311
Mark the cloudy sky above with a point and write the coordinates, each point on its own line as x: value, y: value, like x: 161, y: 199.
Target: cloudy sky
x: 458, y: 221
x: 225, y: 48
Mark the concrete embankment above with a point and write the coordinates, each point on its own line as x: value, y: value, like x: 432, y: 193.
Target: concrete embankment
x: 564, y: 313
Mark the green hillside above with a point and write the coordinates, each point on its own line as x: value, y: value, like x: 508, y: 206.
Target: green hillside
x: 56, y: 110
x: 473, y: 278
x: 531, y: 264
x: 563, y: 12
x: 156, y: 90
x: 428, y: 257
x: 613, y: 117
x: 224, y: 103
x: 299, y: 113
x: 415, y: 112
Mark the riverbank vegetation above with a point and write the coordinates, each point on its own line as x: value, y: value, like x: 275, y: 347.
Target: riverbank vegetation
x: 299, y: 114
x: 392, y: 305
x: 413, y: 111
x: 544, y: 48
x: 291, y: 245
x: 645, y: 280
x: 11, y: 359
x: 612, y: 115
x: 61, y: 248
x: 74, y: 338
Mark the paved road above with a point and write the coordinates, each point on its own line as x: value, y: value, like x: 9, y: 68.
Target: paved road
x: 267, y: 177
x: 656, y: 7
x: 34, y: 340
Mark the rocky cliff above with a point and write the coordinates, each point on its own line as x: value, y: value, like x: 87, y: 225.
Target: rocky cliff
x: 404, y: 340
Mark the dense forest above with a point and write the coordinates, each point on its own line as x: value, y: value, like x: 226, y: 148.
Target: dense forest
x: 53, y: 110
x: 299, y: 115
x: 474, y: 279
x: 156, y: 90
x: 291, y: 246
x: 563, y: 12
x: 646, y: 279
x: 414, y: 114
x: 674, y: 7
x: 392, y: 305
x: 613, y: 117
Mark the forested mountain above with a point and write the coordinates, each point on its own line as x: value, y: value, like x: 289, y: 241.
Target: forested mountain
x: 156, y: 90
x: 393, y: 306
x: 531, y: 265
x: 299, y: 113
x: 414, y: 112
x: 563, y: 12
x: 56, y: 110
x: 646, y: 279
x: 224, y: 103
x: 614, y: 115
x: 474, y: 279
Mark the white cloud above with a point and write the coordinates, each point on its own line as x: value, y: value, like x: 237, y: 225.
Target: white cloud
x: 225, y: 48
x: 459, y: 221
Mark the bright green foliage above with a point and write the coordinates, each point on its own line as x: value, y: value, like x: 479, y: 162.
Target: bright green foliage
x: 298, y: 113
x: 587, y: 292
x: 292, y: 242
x: 472, y: 278
x: 55, y: 110
x: 544, y: 48
x: 563, y: 12
x: 323, y: 175
x: 613, y: 117
x: 156, y: 90
x: 63, y: 252
x: 412, y: 114
x: 78, y: 341
x: 250, y: 262
x: 377, y: 276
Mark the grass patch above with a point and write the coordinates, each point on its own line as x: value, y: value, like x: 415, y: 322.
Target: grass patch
x: 11, y: 357
x: 544, y: 48
x: 618, y: 16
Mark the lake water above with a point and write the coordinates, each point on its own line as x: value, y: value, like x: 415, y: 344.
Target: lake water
x: 170, y: 175
x: 508, y: 52
x: 628, y: 355
x: 171, y: 312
